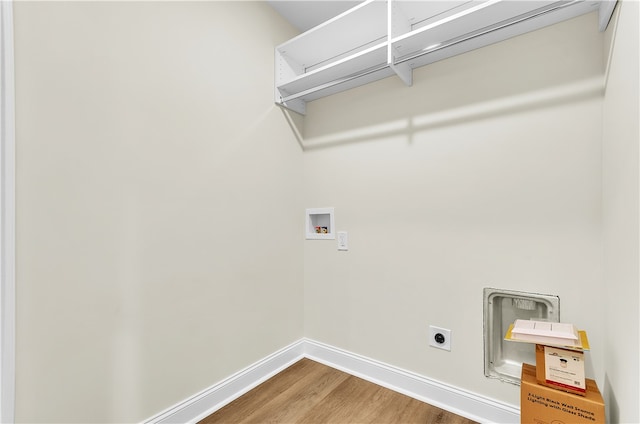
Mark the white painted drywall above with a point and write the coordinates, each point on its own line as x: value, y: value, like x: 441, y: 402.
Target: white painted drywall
x: 159, y: 204
x: 486, y: 172
x: 621, y: 177
x: 161, y: 198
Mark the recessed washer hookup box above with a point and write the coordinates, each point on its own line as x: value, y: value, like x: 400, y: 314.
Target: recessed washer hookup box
x: 545, y: 405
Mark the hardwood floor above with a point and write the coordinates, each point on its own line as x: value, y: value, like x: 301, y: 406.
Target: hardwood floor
x: 309, y: 392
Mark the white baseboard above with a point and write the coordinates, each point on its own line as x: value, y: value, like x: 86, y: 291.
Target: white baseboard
x: 449, y: 398
x: 460, y: 402
x: 215, y: 397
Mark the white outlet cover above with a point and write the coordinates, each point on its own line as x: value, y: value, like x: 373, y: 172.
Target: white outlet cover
x: 446, y: 345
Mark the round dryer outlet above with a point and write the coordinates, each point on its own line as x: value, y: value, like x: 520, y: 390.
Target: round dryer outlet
x: 440, y: 338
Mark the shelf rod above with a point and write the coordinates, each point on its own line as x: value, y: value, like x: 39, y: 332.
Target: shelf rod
x: 334, y: 83
x: 486, y: 31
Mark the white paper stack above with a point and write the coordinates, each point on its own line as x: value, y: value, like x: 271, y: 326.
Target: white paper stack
x: 546, y: 333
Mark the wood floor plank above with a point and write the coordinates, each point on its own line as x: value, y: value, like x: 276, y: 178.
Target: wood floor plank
x: 255, y: 400
x: 312, y: 393
x: 343, y: 405
x: 306, y: 393
x: 391, y: 407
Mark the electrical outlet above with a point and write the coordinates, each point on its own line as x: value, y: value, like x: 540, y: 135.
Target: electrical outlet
x: 440, y: 338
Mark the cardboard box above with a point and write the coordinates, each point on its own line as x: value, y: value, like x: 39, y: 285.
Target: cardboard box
x: 544, y: 405
x: 561, y: 368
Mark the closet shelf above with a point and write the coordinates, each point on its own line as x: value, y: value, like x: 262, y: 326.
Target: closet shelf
x: 380, y: 38
x: 364, y: 60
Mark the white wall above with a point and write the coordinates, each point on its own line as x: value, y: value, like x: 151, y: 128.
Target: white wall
x: 621, y: 174
x: 485, y: 173
x: 158, y: 199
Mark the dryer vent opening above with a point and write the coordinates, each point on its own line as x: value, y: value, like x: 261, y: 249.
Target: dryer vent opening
x: 502, y: 359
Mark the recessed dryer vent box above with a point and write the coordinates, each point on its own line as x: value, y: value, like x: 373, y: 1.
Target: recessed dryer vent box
x: 502, y: 359
x: 320, y: 224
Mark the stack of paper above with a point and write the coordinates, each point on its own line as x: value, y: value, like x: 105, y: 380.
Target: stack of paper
x: 546, y: 333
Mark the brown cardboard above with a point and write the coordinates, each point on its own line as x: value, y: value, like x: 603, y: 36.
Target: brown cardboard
x: 544, y: 405
x: 570, y: 379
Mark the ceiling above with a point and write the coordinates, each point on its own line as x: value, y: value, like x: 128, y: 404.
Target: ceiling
x: 305, y: 14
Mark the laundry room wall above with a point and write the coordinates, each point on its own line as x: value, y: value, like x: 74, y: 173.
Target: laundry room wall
x: 621, y: 182
x: 158, y: 198
x: 485, y: 173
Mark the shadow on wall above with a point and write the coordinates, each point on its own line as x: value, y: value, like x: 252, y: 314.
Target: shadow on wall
x: 566, y: 94
x: 613, y: 410
x: 556, y: 65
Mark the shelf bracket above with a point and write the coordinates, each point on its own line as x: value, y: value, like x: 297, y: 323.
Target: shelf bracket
x: 404, y: 71
x: 397, y: 23
x: 295, y: 105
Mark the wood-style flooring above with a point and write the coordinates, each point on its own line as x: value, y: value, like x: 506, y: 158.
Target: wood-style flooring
x: 309, y: 392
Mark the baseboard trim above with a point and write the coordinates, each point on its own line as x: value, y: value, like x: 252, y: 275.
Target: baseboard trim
x: 460, y: 402
x: 449, y: 398
x: 215, y: 397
